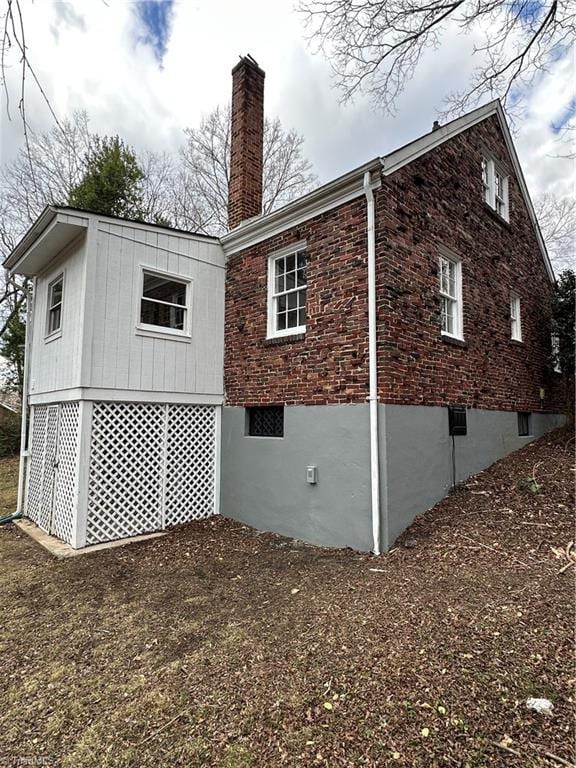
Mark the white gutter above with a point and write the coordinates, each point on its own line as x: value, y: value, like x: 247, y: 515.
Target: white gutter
x: 373, y: 364
x: 30, y: 299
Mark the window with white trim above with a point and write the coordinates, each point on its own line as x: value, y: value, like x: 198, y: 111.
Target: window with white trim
x: 164, y: 303
x: 450, y: 271
x: 495, y: 187
x: 55, y: 298
x: 287, y: 294
x: 515, y: 317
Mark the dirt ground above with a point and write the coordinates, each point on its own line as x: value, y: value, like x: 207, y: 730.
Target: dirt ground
x: 220, y: 646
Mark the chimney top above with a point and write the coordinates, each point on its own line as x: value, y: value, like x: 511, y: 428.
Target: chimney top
x: 249, y: 61
x: 436, y: 125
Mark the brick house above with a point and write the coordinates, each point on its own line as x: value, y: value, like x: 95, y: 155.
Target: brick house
x: 347, y: 358
x: 358, y: 381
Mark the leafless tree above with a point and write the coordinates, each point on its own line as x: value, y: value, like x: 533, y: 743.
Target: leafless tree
x: 375, y: 46
x: 557, y: 218
x: 202, y: 183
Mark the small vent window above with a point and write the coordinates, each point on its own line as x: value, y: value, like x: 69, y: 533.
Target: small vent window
x: 524, y: 424
x: 457, y: 420
x: 266, y: 421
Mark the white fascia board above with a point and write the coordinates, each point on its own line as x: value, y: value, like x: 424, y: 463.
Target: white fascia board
x: 325, y: 198
x: 46, y: 238
x: 405, y: 155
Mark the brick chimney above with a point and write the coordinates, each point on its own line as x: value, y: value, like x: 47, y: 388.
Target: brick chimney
x: 247, y: 139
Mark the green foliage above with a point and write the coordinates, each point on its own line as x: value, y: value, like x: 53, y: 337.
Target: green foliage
x: 9, y: 435
x: 563, y: 319
x: 112, y: 183
x: 12, y: 349
x: 529, y: 485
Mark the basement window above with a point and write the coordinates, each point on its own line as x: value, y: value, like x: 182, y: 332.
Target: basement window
x: 265, y: 421
x: 55, y: 298
x: 287, y: 283
x: 524, y: 424
x: 515, y: 317
x: 450, y: 272
x: 164, y: 303
x: 495, y: 187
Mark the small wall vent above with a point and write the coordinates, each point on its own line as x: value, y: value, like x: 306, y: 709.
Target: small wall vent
x: 457, y: 420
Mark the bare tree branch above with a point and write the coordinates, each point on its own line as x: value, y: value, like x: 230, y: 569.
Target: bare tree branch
x: 201, y: 188
x: 375, y: 46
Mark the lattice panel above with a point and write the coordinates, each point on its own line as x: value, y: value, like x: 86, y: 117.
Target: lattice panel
x: 36, y: 462
x: 66, y: 490
x: 49, y: 468
x: 190, y: 463
x: 125, y: 488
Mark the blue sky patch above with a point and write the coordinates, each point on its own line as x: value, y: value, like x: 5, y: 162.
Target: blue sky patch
x: 156, y: 18
x: 567, y: 115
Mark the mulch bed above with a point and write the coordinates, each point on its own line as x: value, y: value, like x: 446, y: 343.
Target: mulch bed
x: 221, y: 646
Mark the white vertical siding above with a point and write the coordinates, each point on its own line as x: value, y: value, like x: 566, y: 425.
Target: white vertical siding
x: 55, y: 363
x: 119, y: 358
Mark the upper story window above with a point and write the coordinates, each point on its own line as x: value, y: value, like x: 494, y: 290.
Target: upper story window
x: 515, y: 317
x: 287, y: 293
x: 495, y: 187
x: 450, y: 271
x: 55, y: 298
x: 164, y: 303
x: 555, y: 344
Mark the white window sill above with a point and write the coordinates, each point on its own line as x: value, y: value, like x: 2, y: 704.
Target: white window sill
x: 286, y: 334
x: 166, y: 335
x: 265, y: 437
x: 453, y: 336
x: 53, y: 336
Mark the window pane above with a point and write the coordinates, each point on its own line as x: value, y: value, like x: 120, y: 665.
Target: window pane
x: 292, y: 319
x: 162, y: 315
x: 290, y: 280
x: 56, y: 293
x: 302, y: 260
x: 484, y: 172
x: 54, y: 319
x: 281, y: 303
x: 281, y: 321
x: 163, y: 289
x: 290, y: 263
x: 302, y: 317
x: 293, y: 300
x: 302, y: 299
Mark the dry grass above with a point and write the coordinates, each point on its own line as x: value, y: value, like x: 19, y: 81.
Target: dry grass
x: 219, y: 646
x: 8, y: 485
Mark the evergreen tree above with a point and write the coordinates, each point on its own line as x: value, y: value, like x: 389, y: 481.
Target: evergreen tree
x: 12, y: 349
x: 563, y: 319
x: 112, y: 183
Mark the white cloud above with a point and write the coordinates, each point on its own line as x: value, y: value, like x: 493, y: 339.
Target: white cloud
x: 88, y: 56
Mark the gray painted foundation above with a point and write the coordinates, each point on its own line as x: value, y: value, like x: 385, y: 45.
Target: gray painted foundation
x: 263, y: 480
x: 416, y: 467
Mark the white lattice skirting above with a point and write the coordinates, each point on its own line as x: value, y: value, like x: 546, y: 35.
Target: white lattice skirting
x: 150, y: 466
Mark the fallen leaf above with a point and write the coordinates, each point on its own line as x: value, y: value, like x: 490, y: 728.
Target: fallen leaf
x: 294, y: 591
x: 328, y: 705
x: 442, y: 710
x: 425, y: 732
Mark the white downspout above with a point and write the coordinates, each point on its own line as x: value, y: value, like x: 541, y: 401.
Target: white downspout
x: 24, y: 422
x: 373, y: 365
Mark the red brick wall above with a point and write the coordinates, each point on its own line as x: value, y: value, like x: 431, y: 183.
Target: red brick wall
x: 246, y: 142
x: 328, y: 365
x: 437, y: 200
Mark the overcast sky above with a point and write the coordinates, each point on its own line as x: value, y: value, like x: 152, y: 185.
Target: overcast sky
x: 146, y: 70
